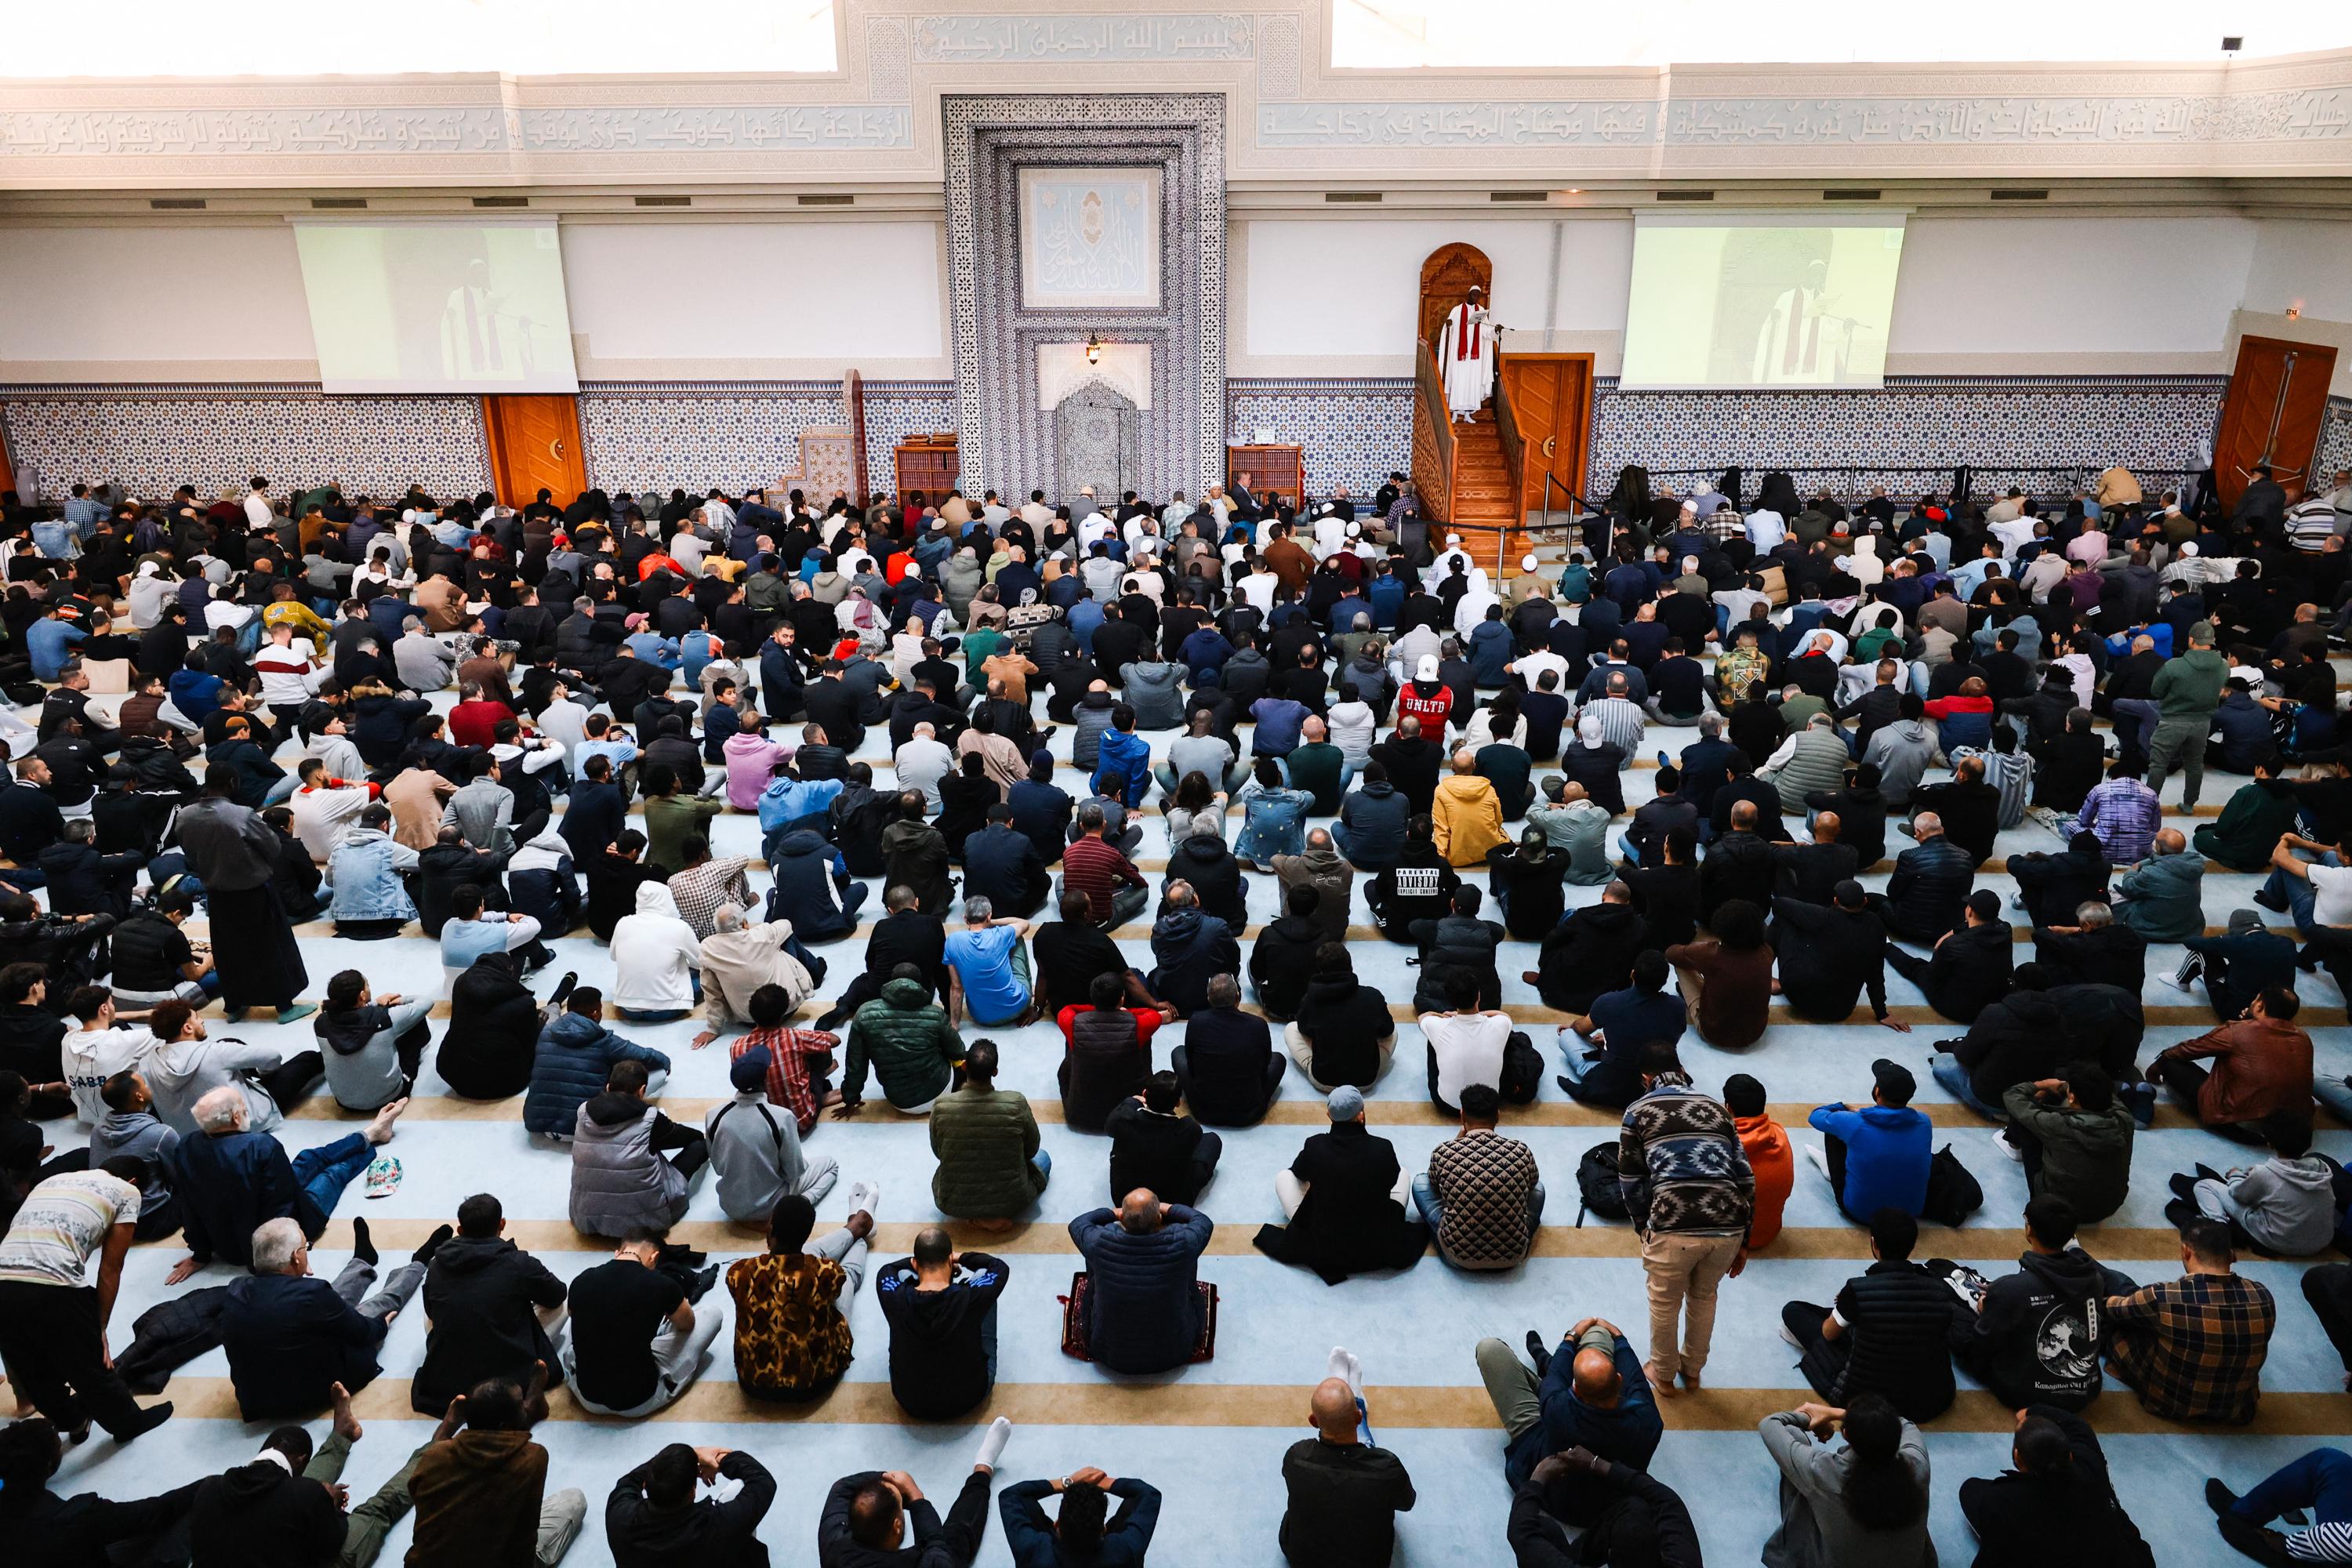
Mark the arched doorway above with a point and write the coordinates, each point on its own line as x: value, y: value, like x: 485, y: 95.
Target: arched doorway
x: 1446, y: 280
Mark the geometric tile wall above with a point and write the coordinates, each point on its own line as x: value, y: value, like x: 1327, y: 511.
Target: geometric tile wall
x: 653, y: 435
x: 2334, y: 440
x: 156, y: 438
x: 2039, y: 431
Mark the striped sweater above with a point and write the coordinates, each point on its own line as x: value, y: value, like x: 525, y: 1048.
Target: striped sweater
x: 1681, y: 1164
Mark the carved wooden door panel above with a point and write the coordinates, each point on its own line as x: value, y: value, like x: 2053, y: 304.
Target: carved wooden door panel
x: 535, y: 445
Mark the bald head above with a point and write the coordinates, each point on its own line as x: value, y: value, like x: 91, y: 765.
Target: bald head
x: 1597, y: 1380
x: 1313, y: 730
x: 1332, y: 1410
x: 1825, y: 826
x: 1743, y: 816
x: 1139, y: 1212
x: 1464, y: 762
x: 2170, y: 842
x: 1927, y: 825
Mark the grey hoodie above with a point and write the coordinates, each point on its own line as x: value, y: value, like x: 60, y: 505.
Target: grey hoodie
x: 139, y: 1135
x: 2288, y: 1207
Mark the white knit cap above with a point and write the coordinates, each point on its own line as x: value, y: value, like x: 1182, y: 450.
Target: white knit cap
x: 1427, y: 669
x: 1527, y: 563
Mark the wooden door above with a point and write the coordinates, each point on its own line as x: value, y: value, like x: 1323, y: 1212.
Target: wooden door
x: 2276, y: 402
x: 1446, y: 280
x: 1552, y: 402
x: 535, y: 445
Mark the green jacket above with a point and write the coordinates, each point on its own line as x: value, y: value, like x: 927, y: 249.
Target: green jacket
x: 2085, y: 1154
x: 670, y: 821
x: 2189, y: 684
x: 2248, y: 829
x: 986, y: 1141
x: 906, y: 1039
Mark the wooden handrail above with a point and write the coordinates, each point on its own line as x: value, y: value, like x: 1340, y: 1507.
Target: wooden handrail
x: 1433, y: 445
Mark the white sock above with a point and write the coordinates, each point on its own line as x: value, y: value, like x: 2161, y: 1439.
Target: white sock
x: 1818, y: 1156
x: 1346, y: 1366
x: 864, y: 1195
x: 992, y: 1443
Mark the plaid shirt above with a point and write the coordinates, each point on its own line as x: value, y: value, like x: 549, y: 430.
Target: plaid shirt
x: 1094, y: 867
x: 1723, y: 527
x: 2124, y: 816
x: 2194, y: 1346
x: 698, y: 891
x: 790, y: 1054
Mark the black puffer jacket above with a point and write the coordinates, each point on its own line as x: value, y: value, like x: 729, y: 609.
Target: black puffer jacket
x: 493, y: 1031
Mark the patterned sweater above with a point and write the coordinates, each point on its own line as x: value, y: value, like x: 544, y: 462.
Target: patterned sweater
x: 1484, y: 1183
x: 1680, y: 1166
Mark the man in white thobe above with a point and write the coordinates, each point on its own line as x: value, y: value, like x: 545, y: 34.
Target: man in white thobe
x: 1465, y: 353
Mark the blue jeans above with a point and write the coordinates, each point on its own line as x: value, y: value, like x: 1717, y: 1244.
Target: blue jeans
x: 1425, y: 1198
x: 2295, y: 891
x: 324, y: 1172
x: 2321, y: 1482
x: 1955, y: 1079
x: 282, y: 790
x: 1572, y: 1059
x: 1045, y: 1163
x: 2334, y: 1093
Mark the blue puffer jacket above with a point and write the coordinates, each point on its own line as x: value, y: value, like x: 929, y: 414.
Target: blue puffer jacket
x: 1124, y: 770
x: 575, y: 1055
x: 1143, y: 1305
x: 1490, y: 651
x: 809, y: 877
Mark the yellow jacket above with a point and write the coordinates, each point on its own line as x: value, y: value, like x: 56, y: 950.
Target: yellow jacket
x: 1468, y: 819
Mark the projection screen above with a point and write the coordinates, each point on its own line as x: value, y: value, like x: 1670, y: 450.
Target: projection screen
x: 438, y: 306
x: 1731, y: 302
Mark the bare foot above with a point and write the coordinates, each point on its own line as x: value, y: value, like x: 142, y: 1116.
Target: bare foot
x: 1690, y: 1381
x: 1776, y: 988
x: 991, y: 1226
x: 1532, y: 978
x: 380, y: 1130
x: 346, y: 1426
x: 1660, y: 1385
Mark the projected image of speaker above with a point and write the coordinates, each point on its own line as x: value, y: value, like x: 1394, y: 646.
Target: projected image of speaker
x: 1761, y: 304
x: 438, y: 306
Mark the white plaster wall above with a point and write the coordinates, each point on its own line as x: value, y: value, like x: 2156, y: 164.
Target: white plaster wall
x: 1337, y: 296
x: 2304, y: 263
x: 95, y: 302
x: 755, y: 301
x: 2056, y: 294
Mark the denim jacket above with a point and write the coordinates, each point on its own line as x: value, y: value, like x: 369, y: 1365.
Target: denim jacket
x: 366, y: 870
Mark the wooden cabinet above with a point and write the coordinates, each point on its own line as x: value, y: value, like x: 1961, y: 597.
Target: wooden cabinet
x: 929, y: 464
x: 1274, y: 471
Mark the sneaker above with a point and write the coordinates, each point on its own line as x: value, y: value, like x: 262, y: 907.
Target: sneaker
x: 2218, y: 1497
x: 1818, y: 1156
x: 2008, y: 1151
x: 1791, y: 1338
x: 2263, y: 897
x: 563, y: 988
x: 296, y: 1012
x: 1539, y: 1352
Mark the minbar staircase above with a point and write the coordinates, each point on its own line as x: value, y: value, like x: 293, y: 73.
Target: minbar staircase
x: 1482, y: 483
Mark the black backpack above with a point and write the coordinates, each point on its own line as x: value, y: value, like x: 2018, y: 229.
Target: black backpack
x: 1953, y: 1193
x: 1596, y: 1191
x: 1522, y: 1070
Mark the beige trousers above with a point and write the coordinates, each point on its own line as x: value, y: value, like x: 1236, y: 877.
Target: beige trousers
x: 1685, y: 1272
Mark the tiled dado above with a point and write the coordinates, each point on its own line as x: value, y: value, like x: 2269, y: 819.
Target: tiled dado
x: 156, y: 438
x: 2335, y: 440
x: 1355, y: 431
x: 1915, y: 426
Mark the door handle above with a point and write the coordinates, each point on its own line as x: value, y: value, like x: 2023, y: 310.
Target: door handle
x: 1549, y: 443
x: 555, y: 447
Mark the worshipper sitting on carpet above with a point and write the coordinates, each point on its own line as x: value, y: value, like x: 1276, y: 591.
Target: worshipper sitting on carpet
x: 1887, y: 1334
x: 1342, y: 1491
x: 2162, y: 897
x: 2032, y: 1337
x: 1602, y: 1050
x: 1154, y: 1144
x: 1189, y: 947
x: 653, y: 1521
x: 906, y: 1039
x: 987, y: 967
x: 1227, y: 1069
x: 293, y: 1338
x: 742, y: 957
x: 801, y: 1060
x: 755, y: 1154
x: 53, y: 1326
x: 1865, y: 1503
x: 472, y: 931
x: 131, y: 1129
x: 1876, y: 1157
x: 481, y: 1493
x: 487, y: 1301
x: 1770, y: 1156
x: 1481, y: 1196
x: 372, y: 1049
x: 2314, y: 1493
x: 2286, y: 1205
x: 2056, y: 1507
x: 2073, y: 1134
x: 2236, y: 967
x: 792, y: 1337
x: 991, y: 1165
x: 1343, y: 1033
x: 1645, y: 1524
x: 574, y: 1057
x: 1968, y: 969
x: 632, y: 1167
x: 189, y: 1065
x: 657, y: 961
x: 1591, y: 1392
x: 2193, y: 1348
x: 495, y: 1022
x: 1107, y: 1057
x: 284, y: 1509
x: 633, y: 1342
x: 2262, y: 1066
x: 1145, y: 1311
x: 1345, y: 1199
x: 878, y: 1518
x: 231, y: 1179
x: 1080, y: 1533
x: 940, y: 1305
